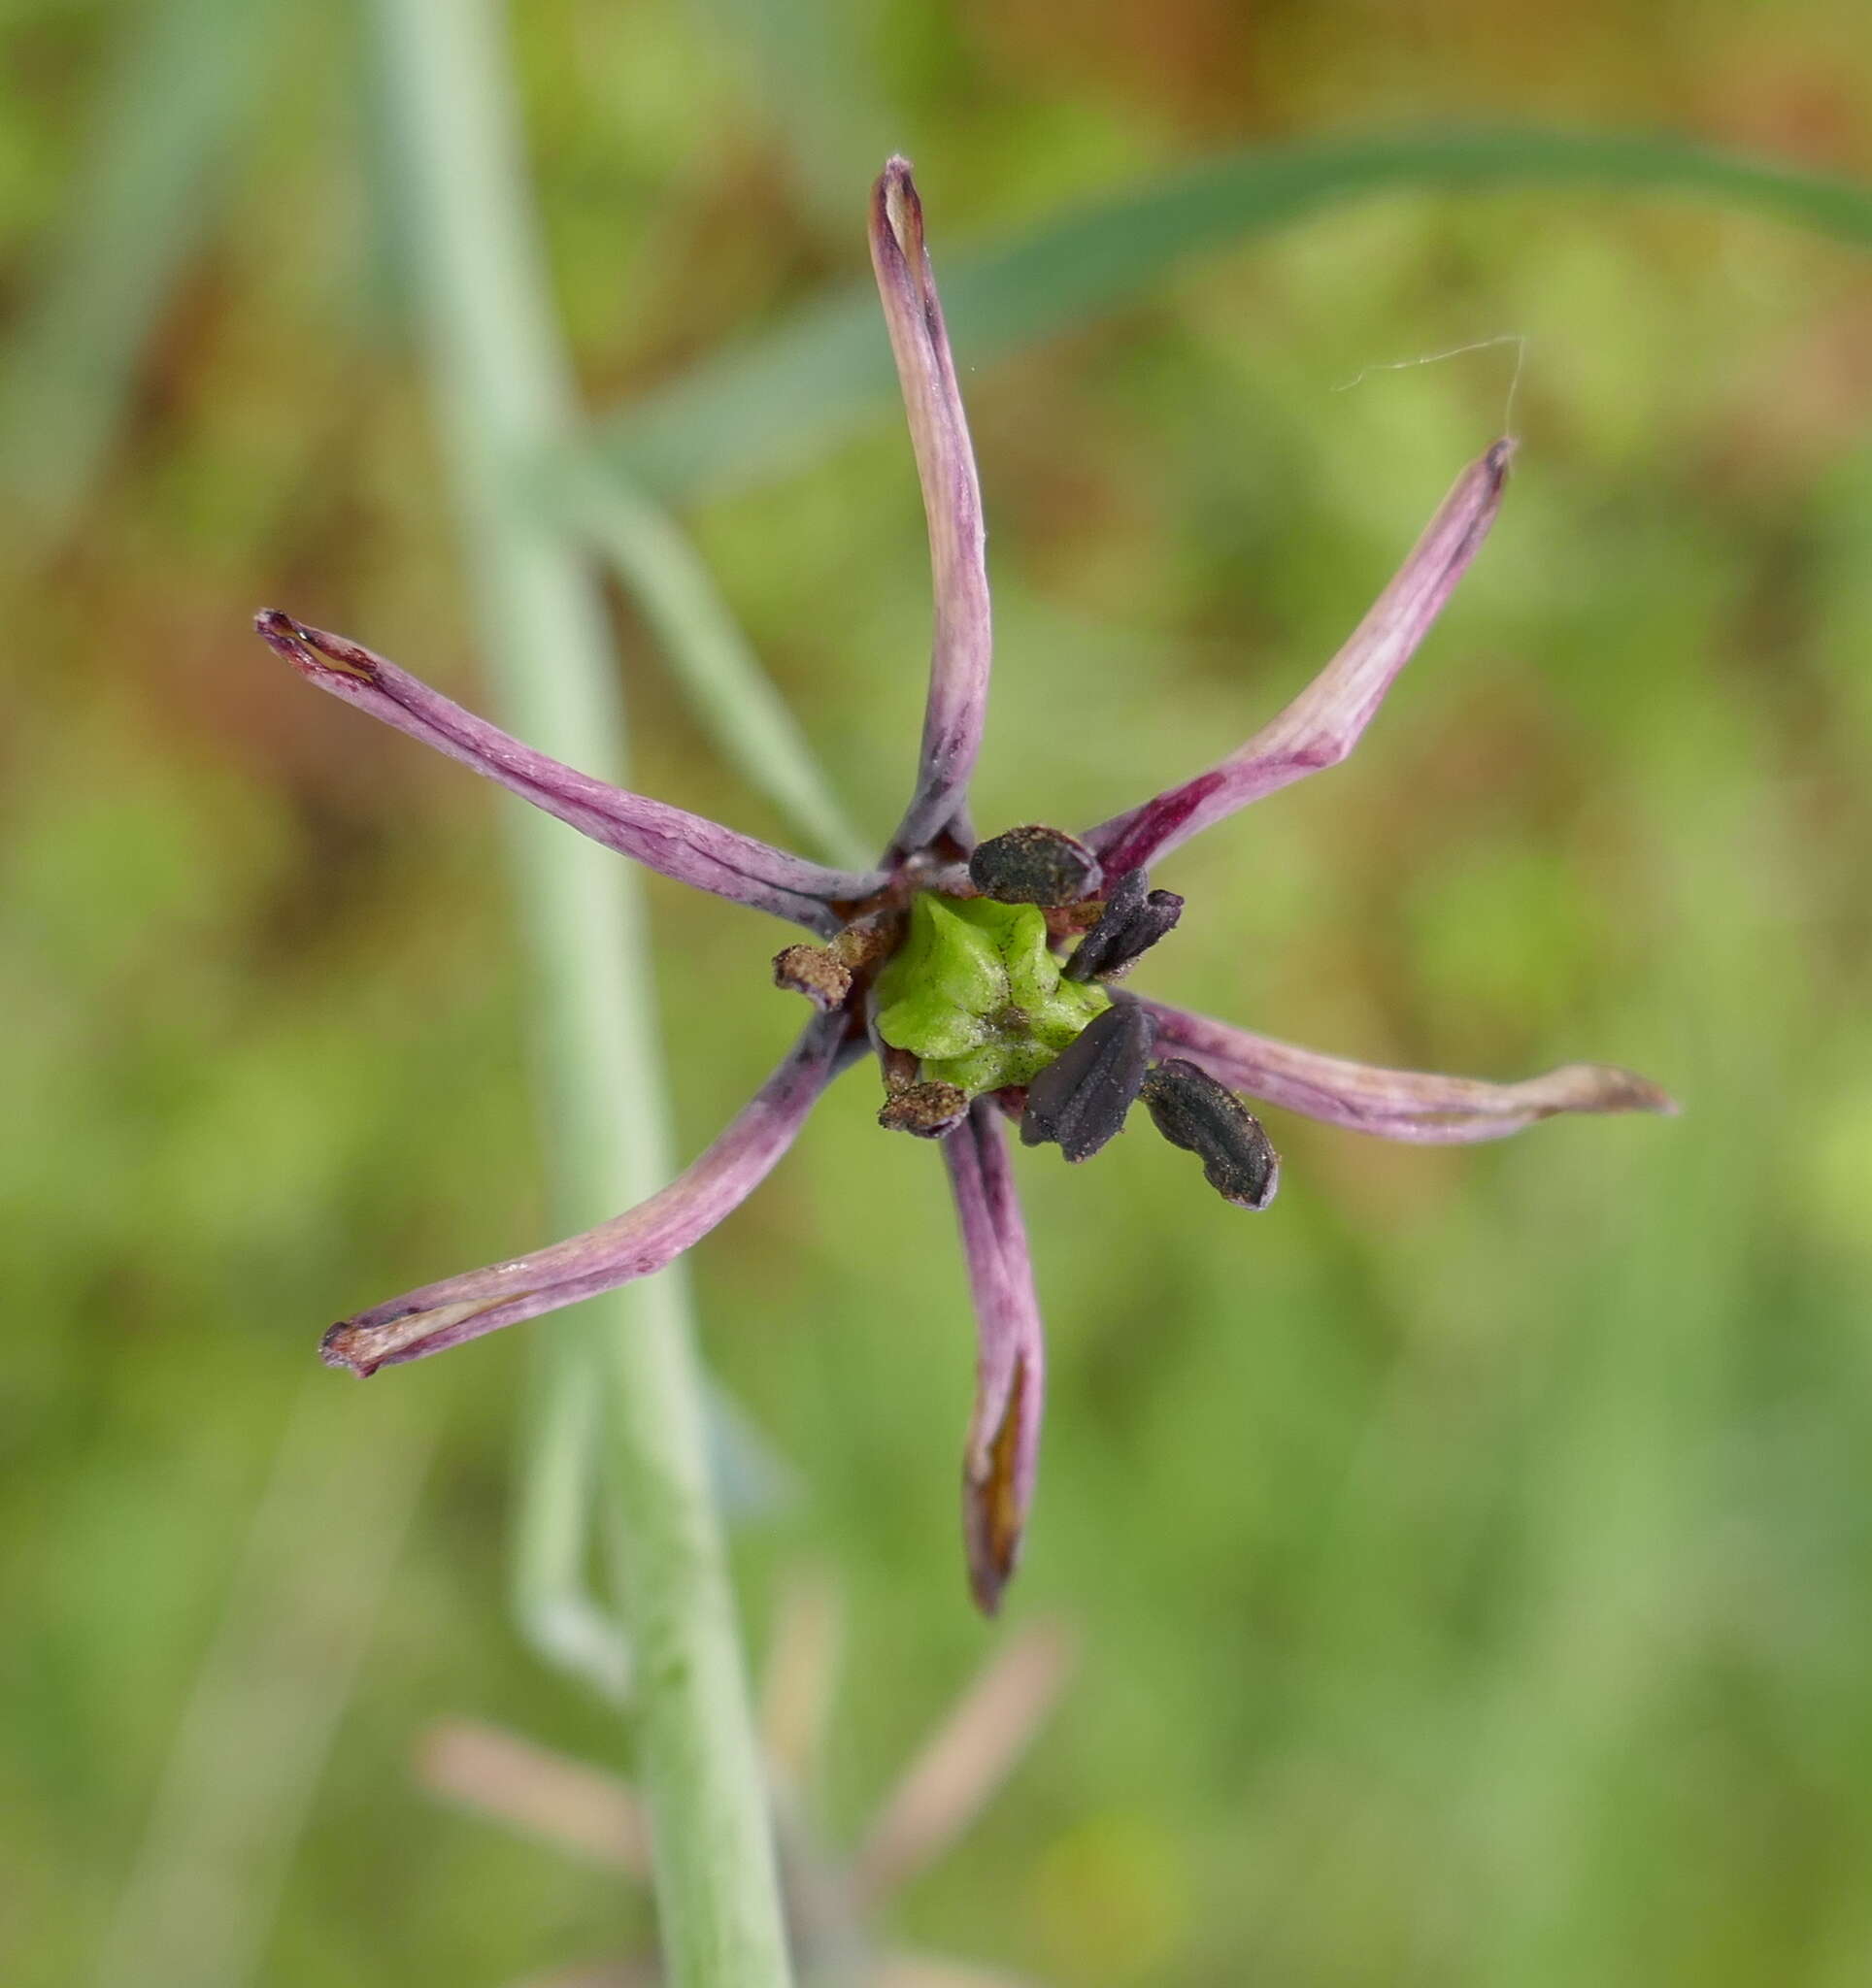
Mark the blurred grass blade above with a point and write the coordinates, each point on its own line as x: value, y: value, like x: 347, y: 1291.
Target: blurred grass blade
x: 732, y: 695
x: 798, y: 1685
x: 753, y: 1479
x: 560, y: 1802
x: 766, y: 405
x: 303, y: 1605
x: 963, y: 1763
x: 808, y: 71
x: 183, y: 74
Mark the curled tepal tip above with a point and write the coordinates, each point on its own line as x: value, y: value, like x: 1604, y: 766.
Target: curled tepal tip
x: 367, y: 1343
x: 902, y: 210
x: 1598, y: 1087
x: 315, y: 652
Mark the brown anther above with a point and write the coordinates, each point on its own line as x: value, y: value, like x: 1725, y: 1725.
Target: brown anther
x: 925, y: 1111
x: 815, y: 971
x: 824, y: 973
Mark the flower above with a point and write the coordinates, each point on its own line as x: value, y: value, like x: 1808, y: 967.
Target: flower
x: 945, y: 959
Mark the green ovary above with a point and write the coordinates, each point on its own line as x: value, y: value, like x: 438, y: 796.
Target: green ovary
x: 975, y: 994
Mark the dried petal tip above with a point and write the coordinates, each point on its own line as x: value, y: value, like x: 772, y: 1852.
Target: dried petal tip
x: 1133, y: 920
x: 335, y: 1350
x: 367, y: 1343
x: 1600, y: 1087
x: 350, y: 1346
x: 1080, y: 1099
x: 903, y: 210
x: 312, y: 652
x: 1034, y: 866
x: 1195, y: 1112
x: 815, y: 971
x: 997, y: 1485
x: 925, y: 1111
x: 1003, y: 1449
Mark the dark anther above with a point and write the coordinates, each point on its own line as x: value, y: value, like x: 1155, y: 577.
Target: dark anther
x: 926, y: 1110
x: 1034, y: 866
x: 1195, y: 1112
x: 1134, y: 919
x: 1080, y: 1098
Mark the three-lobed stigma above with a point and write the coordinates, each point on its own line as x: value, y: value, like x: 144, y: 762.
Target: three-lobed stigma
x: 975, y: 994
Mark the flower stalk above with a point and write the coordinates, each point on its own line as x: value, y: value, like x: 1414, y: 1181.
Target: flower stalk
x: 504, y: 403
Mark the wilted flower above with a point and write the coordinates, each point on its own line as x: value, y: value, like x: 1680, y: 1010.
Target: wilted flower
x: 946, y: 960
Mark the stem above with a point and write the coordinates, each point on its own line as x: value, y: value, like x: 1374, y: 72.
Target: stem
x: 504, y: 398
x: 567, y: 1626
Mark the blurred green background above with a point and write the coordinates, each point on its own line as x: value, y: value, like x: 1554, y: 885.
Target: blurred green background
x: 1469, y: 1561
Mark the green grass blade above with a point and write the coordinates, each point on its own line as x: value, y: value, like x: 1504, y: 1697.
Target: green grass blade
x: 731, y: 693
x: 302, y: 1606
x: 766, y: 405
x: 179, y: 81
x: 808, y: 76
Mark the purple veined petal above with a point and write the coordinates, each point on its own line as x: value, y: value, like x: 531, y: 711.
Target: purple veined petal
x: 1396, y: 1104
x: 687, y: 848
x: 963, y: 648
x: 1003, y: 1453
x: 630, y: 1246
x: 1325, y: 722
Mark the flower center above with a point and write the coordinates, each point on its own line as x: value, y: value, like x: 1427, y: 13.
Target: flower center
x: 975, y: 993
